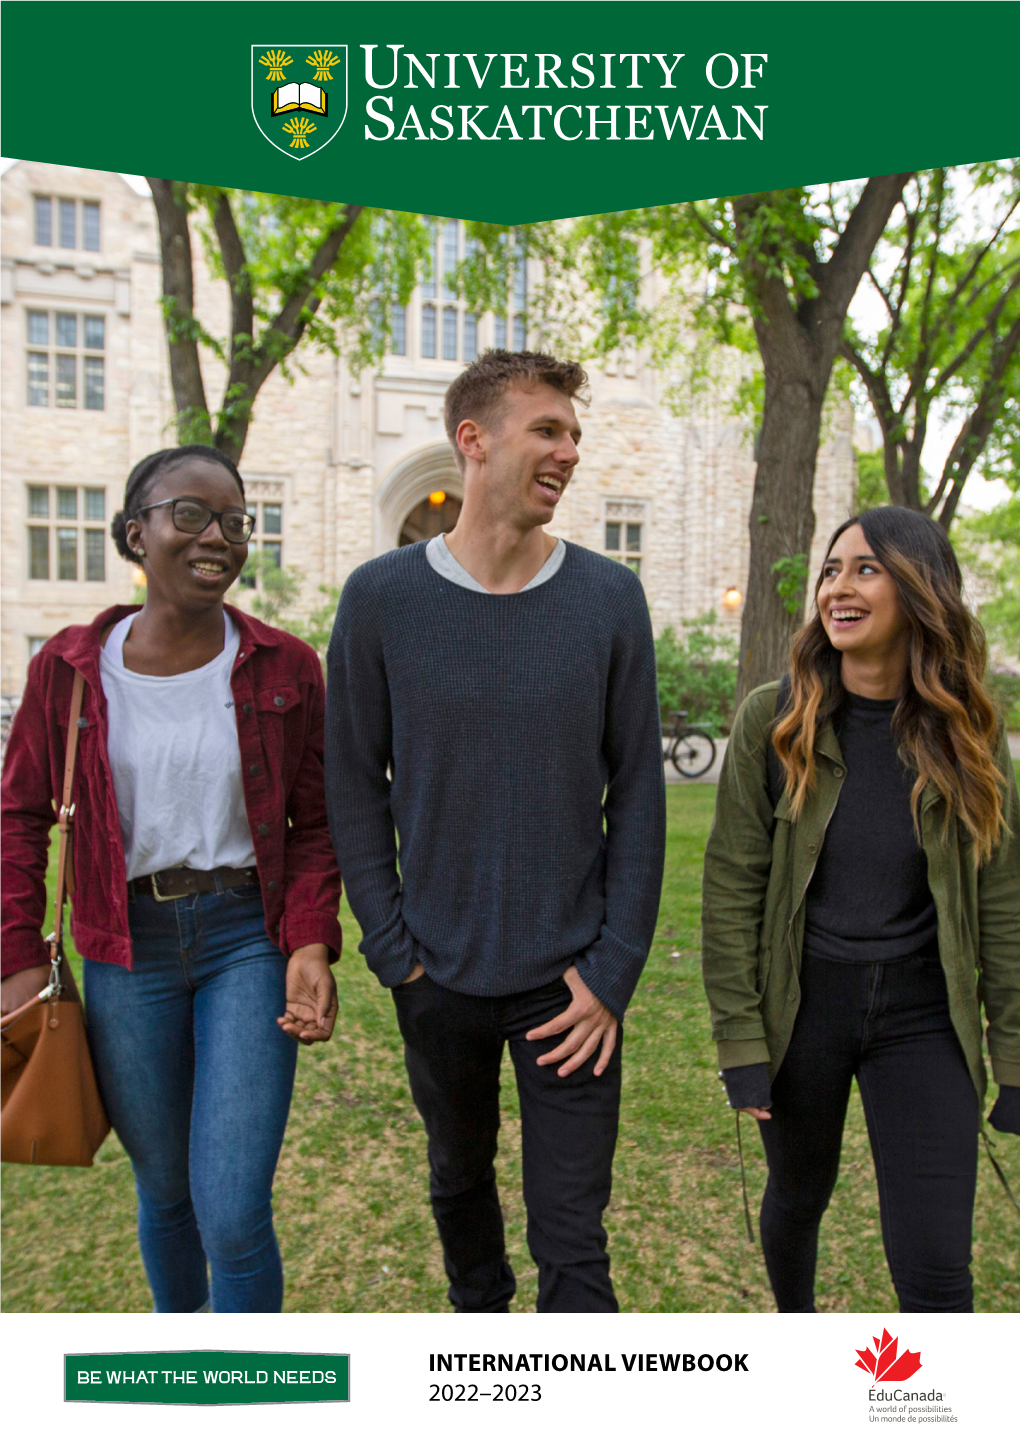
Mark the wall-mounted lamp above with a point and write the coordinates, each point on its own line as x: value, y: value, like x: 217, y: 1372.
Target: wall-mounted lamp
x: 437, y: 498
x: 731, y: 598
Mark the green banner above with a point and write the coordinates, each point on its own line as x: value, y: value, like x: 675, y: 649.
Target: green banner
x: 510, y: 112
x: 206, y: 1379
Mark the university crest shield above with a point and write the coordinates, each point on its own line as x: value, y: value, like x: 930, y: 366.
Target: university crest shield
x: 299, y: 95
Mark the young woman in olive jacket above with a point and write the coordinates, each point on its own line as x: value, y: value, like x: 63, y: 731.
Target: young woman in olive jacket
x: 861, y: 903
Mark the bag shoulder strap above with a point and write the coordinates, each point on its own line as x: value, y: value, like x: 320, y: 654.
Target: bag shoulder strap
x: 776, y: 775
x: 65, y: 822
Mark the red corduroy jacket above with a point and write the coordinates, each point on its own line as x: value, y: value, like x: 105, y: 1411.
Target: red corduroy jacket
x: 279, y: 701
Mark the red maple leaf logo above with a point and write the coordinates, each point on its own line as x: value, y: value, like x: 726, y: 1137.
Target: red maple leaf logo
x: 883, y: 1363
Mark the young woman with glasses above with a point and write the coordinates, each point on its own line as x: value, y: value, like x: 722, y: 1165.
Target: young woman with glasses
x: 861, y: 905
x: 206, y: 889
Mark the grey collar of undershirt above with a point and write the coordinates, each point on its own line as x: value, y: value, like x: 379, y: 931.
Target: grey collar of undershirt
x: 442, y: 559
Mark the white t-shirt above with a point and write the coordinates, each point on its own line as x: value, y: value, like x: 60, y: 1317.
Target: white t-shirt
x: 442, y: 559
x: 176, y: 762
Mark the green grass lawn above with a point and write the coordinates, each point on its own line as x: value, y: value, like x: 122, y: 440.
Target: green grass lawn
x: 351, y: 1192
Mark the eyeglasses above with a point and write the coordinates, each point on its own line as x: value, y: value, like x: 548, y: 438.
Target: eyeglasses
x: 193, y: 517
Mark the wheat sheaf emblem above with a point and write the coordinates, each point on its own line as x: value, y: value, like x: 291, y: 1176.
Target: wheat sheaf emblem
x: 300, y: 128
x: 324, y: 61
x: 275, y: 60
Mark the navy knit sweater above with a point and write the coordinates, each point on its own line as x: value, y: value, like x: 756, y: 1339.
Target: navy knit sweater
x: 523, y: 740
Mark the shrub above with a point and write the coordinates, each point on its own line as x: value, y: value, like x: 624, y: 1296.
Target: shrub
x: 280, y: 592
x: 698, y: 672
x: 1005, y: 688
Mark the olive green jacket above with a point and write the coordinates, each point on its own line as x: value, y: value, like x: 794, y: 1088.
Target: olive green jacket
x: 757, y: 870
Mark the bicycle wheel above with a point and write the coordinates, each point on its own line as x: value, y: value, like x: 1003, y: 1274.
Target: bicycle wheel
x: 693, y: 753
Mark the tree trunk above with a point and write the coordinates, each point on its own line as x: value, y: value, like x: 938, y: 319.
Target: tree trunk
x: 782, y: 520
x: 170, y: 200
x: 239, y: 394
x: 249, y: 365
x: 910, y: 465
x: 798, y: 345
x: 976, y: 429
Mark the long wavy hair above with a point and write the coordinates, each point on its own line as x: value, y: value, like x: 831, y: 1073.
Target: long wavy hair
x: 945, y: 724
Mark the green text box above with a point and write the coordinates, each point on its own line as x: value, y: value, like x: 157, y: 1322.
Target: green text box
x: 848, y: 90
x: 206, y: 1379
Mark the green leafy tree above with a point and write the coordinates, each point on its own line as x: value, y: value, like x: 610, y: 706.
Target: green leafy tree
x: 791, y: 573
x: 495, y: 255
x: 948, y: 274
x: 772, y: 273
x: 989, y: 546
x: 316, y: 626
x: 277, y: 600
x: 871, y: 487
x: 300, y: 273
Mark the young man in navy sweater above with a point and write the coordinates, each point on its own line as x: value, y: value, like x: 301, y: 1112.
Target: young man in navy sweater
x: 492, y: 702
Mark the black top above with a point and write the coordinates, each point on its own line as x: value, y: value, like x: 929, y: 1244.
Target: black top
x: 527, y: 790
x: 869, y: 899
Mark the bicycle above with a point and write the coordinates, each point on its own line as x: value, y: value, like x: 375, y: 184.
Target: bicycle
x: 693, y: 750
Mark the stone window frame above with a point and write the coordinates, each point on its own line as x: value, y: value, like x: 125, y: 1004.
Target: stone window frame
x: 428, y: 331
x: 87, y: 222
x: 628, y: 513
x: 79, y: 534
x: 442, y: 313
x: 398, y: 329
x: 88, y: 362
x: 470, y: 333
x: 269, y: 535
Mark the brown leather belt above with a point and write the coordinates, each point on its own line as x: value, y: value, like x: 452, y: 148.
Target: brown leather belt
x: 181, y: 881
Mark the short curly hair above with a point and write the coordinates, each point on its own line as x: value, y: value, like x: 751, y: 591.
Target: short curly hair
x: 144, y: 476
x: 479, y: 391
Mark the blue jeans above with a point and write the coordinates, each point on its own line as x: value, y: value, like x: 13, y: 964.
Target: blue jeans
x: 197, y: 1078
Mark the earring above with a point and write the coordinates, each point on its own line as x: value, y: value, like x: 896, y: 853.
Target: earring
x: 140, y: 551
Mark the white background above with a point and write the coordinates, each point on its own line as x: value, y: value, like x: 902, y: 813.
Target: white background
x: 801, y: 1382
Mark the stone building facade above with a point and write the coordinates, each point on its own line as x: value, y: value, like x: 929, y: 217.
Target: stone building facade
x: 336, y: 467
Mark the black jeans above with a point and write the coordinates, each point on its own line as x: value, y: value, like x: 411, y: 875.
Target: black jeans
x: 453, y: 1045
x: 888, y: 1025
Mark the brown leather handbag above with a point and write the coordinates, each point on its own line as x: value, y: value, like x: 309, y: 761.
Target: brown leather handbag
x: 52, y: 1114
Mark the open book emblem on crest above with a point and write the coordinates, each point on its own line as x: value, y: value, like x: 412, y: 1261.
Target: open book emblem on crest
x: 299, y: 95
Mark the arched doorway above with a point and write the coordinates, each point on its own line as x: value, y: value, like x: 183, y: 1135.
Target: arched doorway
x: 402, y: 500
x: 434, y: 516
